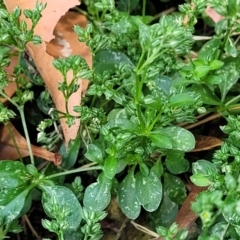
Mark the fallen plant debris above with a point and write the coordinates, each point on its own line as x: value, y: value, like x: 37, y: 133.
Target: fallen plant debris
x: 117, y: 103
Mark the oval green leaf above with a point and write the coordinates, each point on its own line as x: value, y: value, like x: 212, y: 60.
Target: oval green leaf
x: 94, y: 153
x: 107, y: 60
x: 110, y: 167
x: 13, y: 174
x: 148, y: 191
x: 181, y: 139
x: 160, y: 140
x: 181, y: 99
x: 98, y: 195
x: 127, y: 198
x: 12, y: 201
x: 62, y: 198
x: 174, y: 188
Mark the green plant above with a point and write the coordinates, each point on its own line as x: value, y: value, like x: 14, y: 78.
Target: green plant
x: 143, y: 86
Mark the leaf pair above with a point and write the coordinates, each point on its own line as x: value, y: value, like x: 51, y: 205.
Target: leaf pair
x: 139, y: 190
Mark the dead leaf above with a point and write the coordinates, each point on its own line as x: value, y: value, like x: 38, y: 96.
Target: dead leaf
x: 204, y: 143
x: 186, y: 217
x: 66, y: 41
x: 9, y: 151
x: 50, y: 16
x: 216, y: 17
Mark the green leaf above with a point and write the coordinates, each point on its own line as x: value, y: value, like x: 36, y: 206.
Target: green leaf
x: 127, y: 198
x: 215, y: 64
x: 233, y: 7
x: 219, y: 229
x: 174, y: 188
x: 204, y: 167
x: 13, y: 174
x: 110, y: 167
x: 70, y: 154
x: 107, y: 60
x: 229, y: 209
x: 144, y: 169
x: 176, y: 163
x: 207, y: 96
x: 98, y: 195
x: 181, y: 99
x: 165, y: 214
x: 63, y: 199
x: 182, y: 139
x: 121, y: 123
x: 160, y: 140
x: 125, y: 25
x: 163, y: 83
x: 200, y: 180
x: 157, y: 168
x: 201, y: 71
x: 94, y: 154
x: 229, y: 74
x: 203, y: 172
x: 209, y: 50
x: 144, y: 35
x: 231, y: 48
x: 148, y: 191
x: 212, y: 79
x: 12, y: 201
x: 117, y: 113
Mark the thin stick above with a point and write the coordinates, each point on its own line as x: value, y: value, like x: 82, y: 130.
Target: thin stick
x: 144, y: 230
x: 165, y: 12
x: 31, y: 227
x: 210, y: 118
x: 121, y: 229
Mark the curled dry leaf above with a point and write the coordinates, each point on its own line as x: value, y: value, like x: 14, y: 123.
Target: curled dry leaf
x: 50, y: 16
x: 9, y: 151
x: 204, y: 143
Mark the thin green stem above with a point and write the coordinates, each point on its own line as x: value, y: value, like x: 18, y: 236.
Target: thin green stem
x: 224, y: 232
x: 155, y: 121
x: 14, y: 141
x: 9, y: 99
x: 225, y: 39
x: 144, y: 8
x: 235, y: 99
x: 21, y: 111
x: 19, y: 64
x: 77, y: 170
x: 138, y: 88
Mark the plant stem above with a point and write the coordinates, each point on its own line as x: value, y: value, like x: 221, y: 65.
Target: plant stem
x: 144, y: 8
x: 81, y: 169
x: 154, y: 121
x: 225, y: 39
x: 224, y: 231
x: 233, y: 100
x: 21, y: 111
x: 9, y: 99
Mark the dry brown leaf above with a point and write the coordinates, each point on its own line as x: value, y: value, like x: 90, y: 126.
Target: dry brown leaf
x: 216, y: 17
x: 9, y: 151
x: 204, y: 143
x: 50, y: 16
x: 186, y: 217
x: 66, y: 41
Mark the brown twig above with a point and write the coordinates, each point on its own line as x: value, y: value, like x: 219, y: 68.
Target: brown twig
x: 26, y: 219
